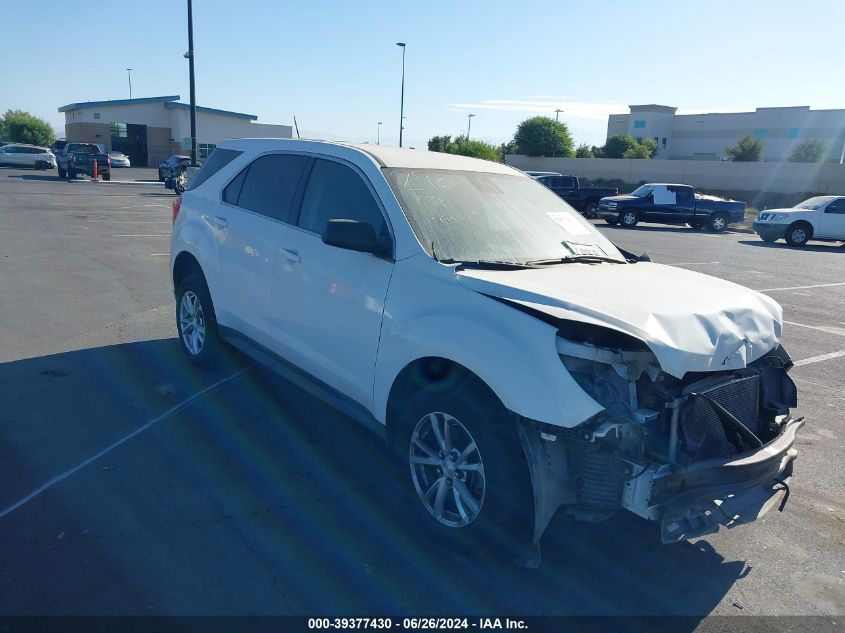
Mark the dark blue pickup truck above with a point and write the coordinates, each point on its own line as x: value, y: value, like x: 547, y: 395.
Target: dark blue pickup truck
x: 584, y: 199
x: 671, y: 204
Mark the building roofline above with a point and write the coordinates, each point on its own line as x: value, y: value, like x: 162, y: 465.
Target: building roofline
x: 185, y: 106
x: 652, y: 107
x: 117, y: 102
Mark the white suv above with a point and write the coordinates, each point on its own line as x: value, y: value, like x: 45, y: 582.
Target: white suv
x: 513, y: 357
x: 20, y: 155
x: 819, y: 218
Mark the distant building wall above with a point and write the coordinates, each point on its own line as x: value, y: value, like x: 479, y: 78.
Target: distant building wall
x: 822, y: 178
x: 87, y: 132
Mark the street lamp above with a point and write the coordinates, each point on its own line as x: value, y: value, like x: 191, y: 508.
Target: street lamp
x: 469, y: 124
x: 557, y: 112
x: 190, y: 56
x: 129, y: 70
x: 402, y: 97
x: 378, y: 133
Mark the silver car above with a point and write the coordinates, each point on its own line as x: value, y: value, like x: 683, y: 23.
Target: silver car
x: 21, y: 155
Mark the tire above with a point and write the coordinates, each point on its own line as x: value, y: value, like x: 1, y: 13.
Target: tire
x: 71, y: 173
x: 39, y: 165
x: 198, y: 335
x: 591, y: 209
x: 798, y: 234
x: 628, y: 219
x: 496, y: 510
x: 717, y: 222
x: 695, y: 224
x: 107, y: 176
x: 612, y: 222
x: 62, y: 172
x: 161, y: 178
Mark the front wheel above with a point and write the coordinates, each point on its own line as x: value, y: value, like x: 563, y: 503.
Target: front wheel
x: 467, y: 473
x: 718, y: 222
x: 628, y: 219
x: 797, y: 234
x: 62, y: 172
x: 196, y: 322
x: 591, y: 210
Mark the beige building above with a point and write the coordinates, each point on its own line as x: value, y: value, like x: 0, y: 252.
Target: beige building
x: 150, y: 129
x: 705, y: 136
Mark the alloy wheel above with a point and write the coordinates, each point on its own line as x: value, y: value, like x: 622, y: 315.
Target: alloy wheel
x: 192, y: 322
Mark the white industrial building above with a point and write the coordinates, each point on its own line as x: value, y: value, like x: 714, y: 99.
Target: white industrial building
x: 150, y: 129
x: 705, y: 136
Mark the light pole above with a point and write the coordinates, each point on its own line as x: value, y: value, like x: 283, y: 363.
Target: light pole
x: 557, y: 112
x: 378, y: 133
x: 190, y: 56
x: 469, y: 124
x: 402, y: 97
x: 129, y: 70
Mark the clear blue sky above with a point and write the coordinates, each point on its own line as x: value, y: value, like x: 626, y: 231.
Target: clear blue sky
x: 334, y: 64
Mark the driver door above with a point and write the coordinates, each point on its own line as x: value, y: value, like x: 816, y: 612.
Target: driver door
x: 831, y: 223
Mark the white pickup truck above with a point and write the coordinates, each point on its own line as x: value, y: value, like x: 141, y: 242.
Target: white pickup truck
x: 820, y: 218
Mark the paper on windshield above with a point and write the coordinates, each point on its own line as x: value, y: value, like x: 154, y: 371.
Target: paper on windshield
x: 568, y: 223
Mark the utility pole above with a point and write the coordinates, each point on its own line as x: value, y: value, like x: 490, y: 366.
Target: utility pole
x: 402, y: 97
x: 469, y: 124
x: 190, y: 56
x: 557, y: 112
x: 378, y: 133
x: 129, y: 70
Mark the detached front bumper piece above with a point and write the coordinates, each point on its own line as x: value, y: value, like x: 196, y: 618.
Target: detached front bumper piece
x: 697, y: 499
x: 769, y: 231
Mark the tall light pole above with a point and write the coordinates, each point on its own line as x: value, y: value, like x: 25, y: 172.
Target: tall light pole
x: 129, y: 70
x: 190, y: 56
x: 557, y: 112
x: 469, y: 124
x: 402, y: 97
x: 378, y: 133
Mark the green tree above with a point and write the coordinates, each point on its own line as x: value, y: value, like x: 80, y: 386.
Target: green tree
x: 463, y: 146
x: 584, y: 151
x: 641, y: 149
x: 747, y: 150
x: 439, y: 143
x: 22, y: 127
x: 616, y: 146
x: 543, y: 136
x: 812, y: 151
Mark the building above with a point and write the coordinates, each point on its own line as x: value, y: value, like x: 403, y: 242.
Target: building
x: 149, y: 130
x: 705, y: 136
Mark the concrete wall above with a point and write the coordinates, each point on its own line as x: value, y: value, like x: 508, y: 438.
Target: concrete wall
x: 153, y: 114
x: 822, y: 178
x: 214, y: 128
x: 89, y: 132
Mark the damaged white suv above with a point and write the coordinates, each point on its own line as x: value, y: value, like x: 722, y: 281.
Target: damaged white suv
x: 514, y: 358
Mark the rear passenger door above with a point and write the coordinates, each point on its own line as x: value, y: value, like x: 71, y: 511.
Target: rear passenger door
x: 327, y: 302
x: 254, y: 204
x: 684, y: 207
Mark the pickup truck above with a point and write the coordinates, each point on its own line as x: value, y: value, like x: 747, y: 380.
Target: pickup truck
x: 583, y: 199
x: 671, y: 204
x: 79, y: 158
x: 820, y: 218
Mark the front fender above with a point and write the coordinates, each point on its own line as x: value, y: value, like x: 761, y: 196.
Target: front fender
x: 192, y: 234
x: 512, y: 352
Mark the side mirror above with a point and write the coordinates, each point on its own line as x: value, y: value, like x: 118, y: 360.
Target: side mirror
x: 353, y: 236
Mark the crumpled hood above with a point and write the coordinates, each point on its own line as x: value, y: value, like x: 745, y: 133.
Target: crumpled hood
x: 692, y: 322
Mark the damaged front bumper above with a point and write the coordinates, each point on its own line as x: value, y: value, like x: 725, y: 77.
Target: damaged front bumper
x: 697, y: 499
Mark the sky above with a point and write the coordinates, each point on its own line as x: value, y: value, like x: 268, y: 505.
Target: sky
x: 335, y: 65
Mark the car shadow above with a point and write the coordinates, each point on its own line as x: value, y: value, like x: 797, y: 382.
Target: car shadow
x: 811, y: 247
x: 38, y: 177
x: 662, y: 228
x: 256, y: 497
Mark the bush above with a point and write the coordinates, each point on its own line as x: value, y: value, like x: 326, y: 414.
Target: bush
x: 464, y: 147
x: 21, y: 127
x: 584, y: 151
x: 543, y: 136
x: 625, y: 146
x: 642, y: 149
x: 747, y: 150
x: 809, y: 152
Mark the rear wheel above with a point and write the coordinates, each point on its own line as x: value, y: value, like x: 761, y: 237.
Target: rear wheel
x: 591, y: 209
x: 62, y: 172
x: 71, y: 173
x: 466, y: 472
x: 628, y: 219
x: 718, y: 222
x: 107, y: 176
x: 196, y: 323
x: 798, y: 234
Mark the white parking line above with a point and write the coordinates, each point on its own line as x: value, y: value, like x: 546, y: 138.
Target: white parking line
x: 59, y: 478
x: 132, y: 221
x: 842, y: 283
x: 818, y: 359
x: 693, y: 264
x: 821, y: 328
x: 159, y: 254
x: 138, y: 235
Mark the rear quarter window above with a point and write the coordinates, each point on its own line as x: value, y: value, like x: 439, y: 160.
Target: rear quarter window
x: 217, y: 161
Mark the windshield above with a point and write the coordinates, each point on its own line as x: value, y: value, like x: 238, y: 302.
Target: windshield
x: 642, y: 191
x: 814, y: 203
x: 479, y: 216
x: 84, y: 148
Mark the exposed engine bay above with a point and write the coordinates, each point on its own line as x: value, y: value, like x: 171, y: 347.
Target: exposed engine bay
x: 709, y: 449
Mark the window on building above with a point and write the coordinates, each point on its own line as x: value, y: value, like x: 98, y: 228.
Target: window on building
x: 760, y: 132
x: 794, y: 132
x: 205, y: 150
x: 639, y: 123
x: 96, y: 115
x: 118, y: 130
x: 664, y: 142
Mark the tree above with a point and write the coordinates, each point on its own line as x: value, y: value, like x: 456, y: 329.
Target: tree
x: 543, y: 136
x: 812, y: 151
x: 22, y: 127
x: 463, y: 146
x: 616, y: 146
x: 584, y: 151
x: 641, y: 149
x: 747, y: 150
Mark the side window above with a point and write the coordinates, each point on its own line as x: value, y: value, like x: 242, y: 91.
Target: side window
x: 233, y: 189
x: 214, y: 164
x: 270, y: 184
x: 337, y: 192
x: 663, y: 196
x: 837, y: 206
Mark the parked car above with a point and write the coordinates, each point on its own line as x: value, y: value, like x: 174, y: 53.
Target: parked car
x: 80, y: 158
x: 58, y: 146
x: 671, y: 204
x: 119, y: 159
x: 537, y: 174
x: 21, y: 155
x: 168, y: 166
x: 513, y: 358
x: 820, y: 218
x: 584, y: 199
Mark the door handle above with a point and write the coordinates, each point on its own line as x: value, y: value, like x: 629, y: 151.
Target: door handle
x: 292, y: 255
x: 220, y: 222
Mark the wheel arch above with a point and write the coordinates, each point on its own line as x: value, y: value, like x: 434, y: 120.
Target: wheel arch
x: 184, y: 265
x: 803, y: 223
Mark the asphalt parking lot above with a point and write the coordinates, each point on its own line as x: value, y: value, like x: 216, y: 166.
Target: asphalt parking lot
x: 242, y: 495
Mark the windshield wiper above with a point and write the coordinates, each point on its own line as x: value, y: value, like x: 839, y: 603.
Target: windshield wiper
x: 576, y: 259
x: 486, y: 263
